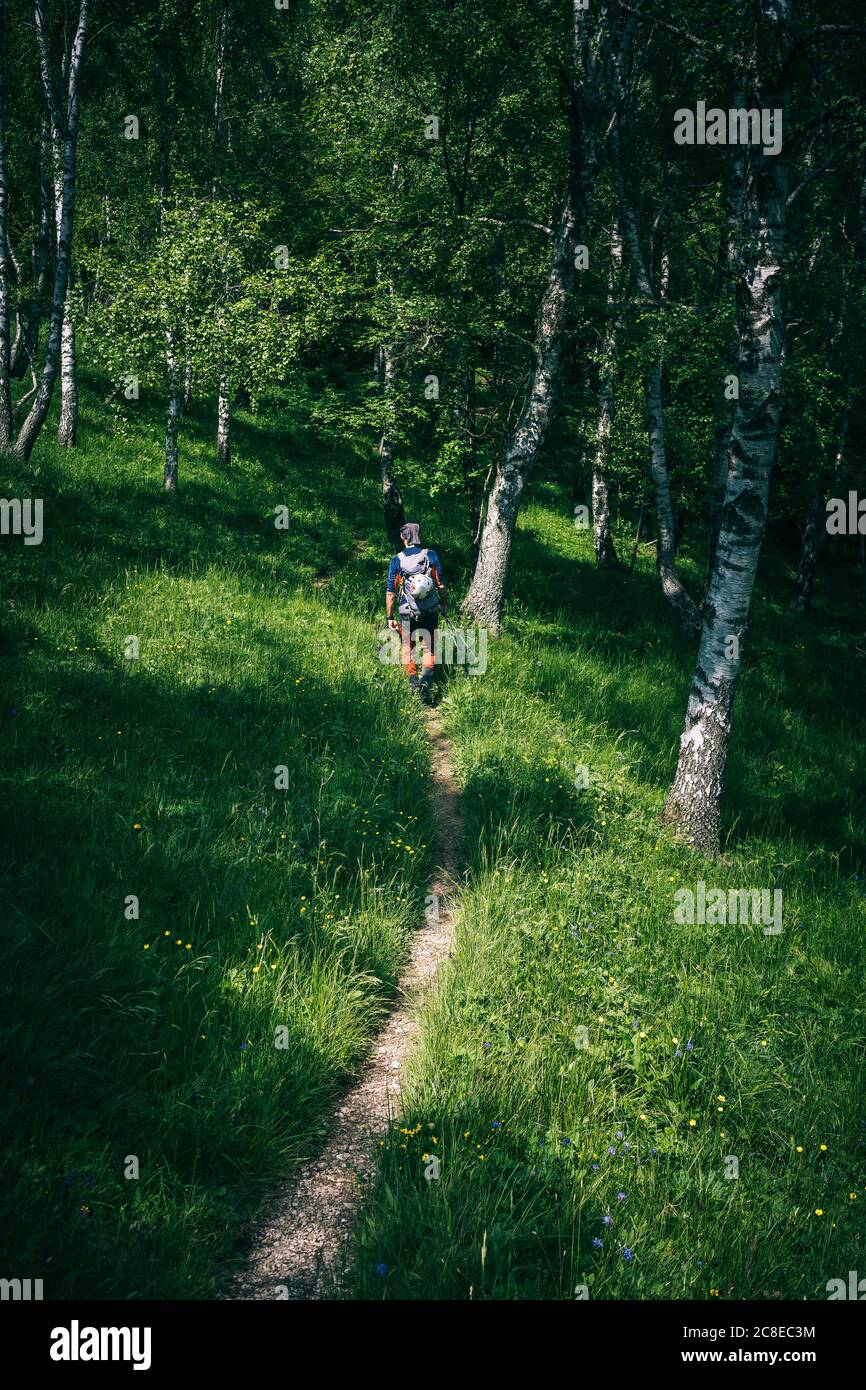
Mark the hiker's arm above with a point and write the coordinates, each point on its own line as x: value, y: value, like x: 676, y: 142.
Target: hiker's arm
x: 440, y: 585
x: 391, y: 591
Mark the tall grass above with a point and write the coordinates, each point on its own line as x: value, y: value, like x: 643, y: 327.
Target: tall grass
x: 165, y: 1061
x: 621, y: 1104
x: 200, y: 1042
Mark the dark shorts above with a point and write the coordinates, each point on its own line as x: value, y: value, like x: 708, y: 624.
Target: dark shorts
x: 424, y: 624
x: 427, y: 622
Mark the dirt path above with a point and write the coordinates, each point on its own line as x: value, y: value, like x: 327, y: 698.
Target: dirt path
x: 302, y: 1250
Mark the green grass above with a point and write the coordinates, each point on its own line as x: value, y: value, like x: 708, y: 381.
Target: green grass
x: 554, y: 1034
x: 265, y: 909
x: 155, y: 1036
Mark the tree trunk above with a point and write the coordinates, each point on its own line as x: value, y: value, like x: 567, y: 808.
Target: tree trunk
x: 642, y: 269
x: 224, y: 419
x: 815, y: 524
x: 32, y: 425
x: 67, y: 428
x: 485, y: 599
x: 693, y: 805
x: 470, y: 461
x: 224, y: 403
x: 718, y: 483
x: 666, y: 541
x: 172, y: 415
x: 605, y: 552
x: 814, y: 540
x: 5, y: 260
x: 392, y: 499
x: 29, y: 316
x: 735, y: 185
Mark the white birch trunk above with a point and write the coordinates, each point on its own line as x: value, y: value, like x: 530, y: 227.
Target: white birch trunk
x: 485, y: 599
x: 172, y: 415
x: 694, y: 802
x: 224, y: 404
x: 224, y: 420
x: 5, y: 259
x: 35, y: 419
x: 67, y: 428
x: 605, y: 552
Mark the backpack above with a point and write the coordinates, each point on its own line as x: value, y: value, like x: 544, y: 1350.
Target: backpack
x: 411, y: 565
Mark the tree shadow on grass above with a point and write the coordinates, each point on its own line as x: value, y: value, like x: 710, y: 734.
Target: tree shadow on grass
x: 797, y: 687
x: 153, y: 1052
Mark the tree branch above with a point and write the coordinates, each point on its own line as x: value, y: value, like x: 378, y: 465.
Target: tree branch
x: 662, y: 23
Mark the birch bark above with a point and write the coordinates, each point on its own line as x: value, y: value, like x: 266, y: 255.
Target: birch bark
x: 693, y: 805
x: 485, y: 599
x: 35, y: 419
x: 5, y: 259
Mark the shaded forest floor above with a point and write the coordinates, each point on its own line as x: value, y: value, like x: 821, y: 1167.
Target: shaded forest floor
x: 153, y: 1037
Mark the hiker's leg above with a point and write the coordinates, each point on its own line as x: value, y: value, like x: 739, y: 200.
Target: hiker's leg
x: 428, y: 654
x: 407, y: 629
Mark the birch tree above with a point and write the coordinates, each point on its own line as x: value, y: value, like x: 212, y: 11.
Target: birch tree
x: 224, y: 405
x: 22, y: 443
x: 582, y: 74
x: 5, y: 260
x: 605, y: 552
x: 68, y: 423
x: 694, y: 803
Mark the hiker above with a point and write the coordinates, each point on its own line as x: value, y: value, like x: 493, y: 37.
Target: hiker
x: 415, y: 582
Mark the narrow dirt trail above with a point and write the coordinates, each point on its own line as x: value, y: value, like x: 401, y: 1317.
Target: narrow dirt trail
x: 302, y: 1249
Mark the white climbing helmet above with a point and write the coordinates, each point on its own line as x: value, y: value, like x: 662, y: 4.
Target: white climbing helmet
x: 420, y: 586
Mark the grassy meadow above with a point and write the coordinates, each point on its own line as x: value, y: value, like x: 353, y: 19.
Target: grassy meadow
x: 587, y: 1068
x: 153, y: 1036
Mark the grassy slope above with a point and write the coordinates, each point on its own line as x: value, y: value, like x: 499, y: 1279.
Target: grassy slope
x: 259, y: 908
x: 568, y: 924
x: 167, y: 1053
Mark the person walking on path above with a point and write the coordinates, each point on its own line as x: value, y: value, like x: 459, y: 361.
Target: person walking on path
x: 416, y: 586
